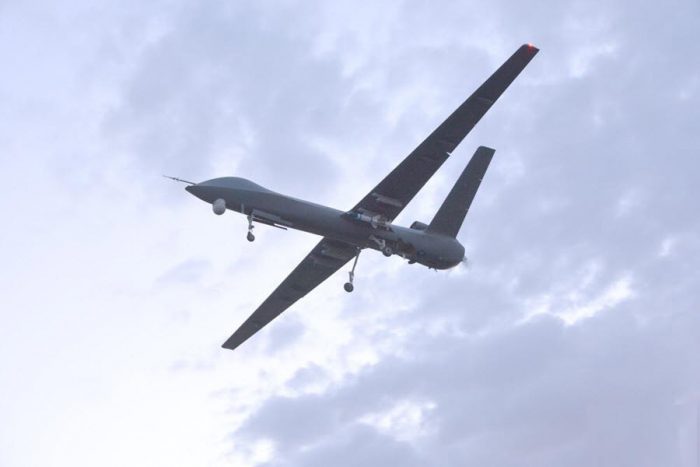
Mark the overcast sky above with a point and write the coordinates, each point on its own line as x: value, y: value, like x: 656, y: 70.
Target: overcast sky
x: 572, y: 338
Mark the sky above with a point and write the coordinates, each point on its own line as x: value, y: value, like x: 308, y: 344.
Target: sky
x: 571, y: 337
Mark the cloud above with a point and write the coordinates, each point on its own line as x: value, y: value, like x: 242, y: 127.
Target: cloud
x: 185, y: 272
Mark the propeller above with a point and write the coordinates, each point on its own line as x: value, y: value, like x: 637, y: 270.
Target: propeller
x: 467, y: 263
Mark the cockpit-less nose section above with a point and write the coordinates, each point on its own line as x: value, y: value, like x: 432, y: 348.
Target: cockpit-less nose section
x: 370, y: 223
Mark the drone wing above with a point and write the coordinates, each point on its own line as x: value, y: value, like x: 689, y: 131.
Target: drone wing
x: 325, y: 259
x: 399, y: 187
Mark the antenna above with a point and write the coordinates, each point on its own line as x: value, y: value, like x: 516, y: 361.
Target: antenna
x: 179, y: 180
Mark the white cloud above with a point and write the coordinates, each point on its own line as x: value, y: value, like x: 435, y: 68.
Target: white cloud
x: 404, y: 421
x: 616, y: 293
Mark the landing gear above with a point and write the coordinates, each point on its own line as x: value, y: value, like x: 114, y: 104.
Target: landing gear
x: 349, y: 287
x: 383, y: 247
x: 250, y: 235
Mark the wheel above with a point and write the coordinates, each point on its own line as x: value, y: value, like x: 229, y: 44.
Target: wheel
x: 348, y: 287
x: 387, y: 251
x: 250, y: 236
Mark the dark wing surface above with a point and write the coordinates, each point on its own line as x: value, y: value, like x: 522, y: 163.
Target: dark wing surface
x: 399, y: 187
x: 325, y: 259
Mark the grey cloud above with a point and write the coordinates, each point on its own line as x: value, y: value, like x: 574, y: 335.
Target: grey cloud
x: 282, y: 336
x: 306, y: 377
x: 367, y: 448
x: 538, y: 394
x: 189, y: 271
x: 234, y: 80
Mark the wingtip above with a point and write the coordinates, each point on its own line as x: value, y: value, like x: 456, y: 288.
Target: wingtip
x: 531, y: 48
x: 228, y: 346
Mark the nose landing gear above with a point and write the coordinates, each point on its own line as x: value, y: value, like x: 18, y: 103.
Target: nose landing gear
x: 250, y: 235
x: 349, y: 287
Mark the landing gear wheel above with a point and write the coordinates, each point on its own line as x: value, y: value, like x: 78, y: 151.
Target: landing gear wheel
x: 250, y: 235
x: 348, y: 285
x: 387, y: 251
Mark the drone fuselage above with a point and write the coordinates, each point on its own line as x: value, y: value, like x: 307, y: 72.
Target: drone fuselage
x: 268, y: 207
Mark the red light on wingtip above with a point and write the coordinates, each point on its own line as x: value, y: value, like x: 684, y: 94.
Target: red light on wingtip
x: 531, y: 46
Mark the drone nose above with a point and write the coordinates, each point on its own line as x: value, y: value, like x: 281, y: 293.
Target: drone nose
x: 198, y: 191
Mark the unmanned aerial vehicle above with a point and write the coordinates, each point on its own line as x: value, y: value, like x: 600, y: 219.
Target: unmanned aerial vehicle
x: 369, y: 224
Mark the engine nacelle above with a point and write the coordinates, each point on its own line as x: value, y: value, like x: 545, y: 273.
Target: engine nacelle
x: 418, y: 225
x: 219, y: 206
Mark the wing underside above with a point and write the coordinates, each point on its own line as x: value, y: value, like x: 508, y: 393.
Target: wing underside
x: 399, y: 187
x: 325, y: 259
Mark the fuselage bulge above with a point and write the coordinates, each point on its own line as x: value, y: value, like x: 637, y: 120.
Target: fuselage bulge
x: 266, y: 206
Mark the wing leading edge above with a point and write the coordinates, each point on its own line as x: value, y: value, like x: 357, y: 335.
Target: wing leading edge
x: 389, y: 197
x: 399, y: 187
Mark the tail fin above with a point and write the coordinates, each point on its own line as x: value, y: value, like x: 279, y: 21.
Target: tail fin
x: 449, y: 218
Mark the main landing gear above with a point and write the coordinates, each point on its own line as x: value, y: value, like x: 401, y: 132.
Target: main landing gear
x: 250, y: 235
x: 383, y: 247
x: 348, y: 285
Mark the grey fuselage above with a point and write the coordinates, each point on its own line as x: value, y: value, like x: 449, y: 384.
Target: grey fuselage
x: 265, y: 206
